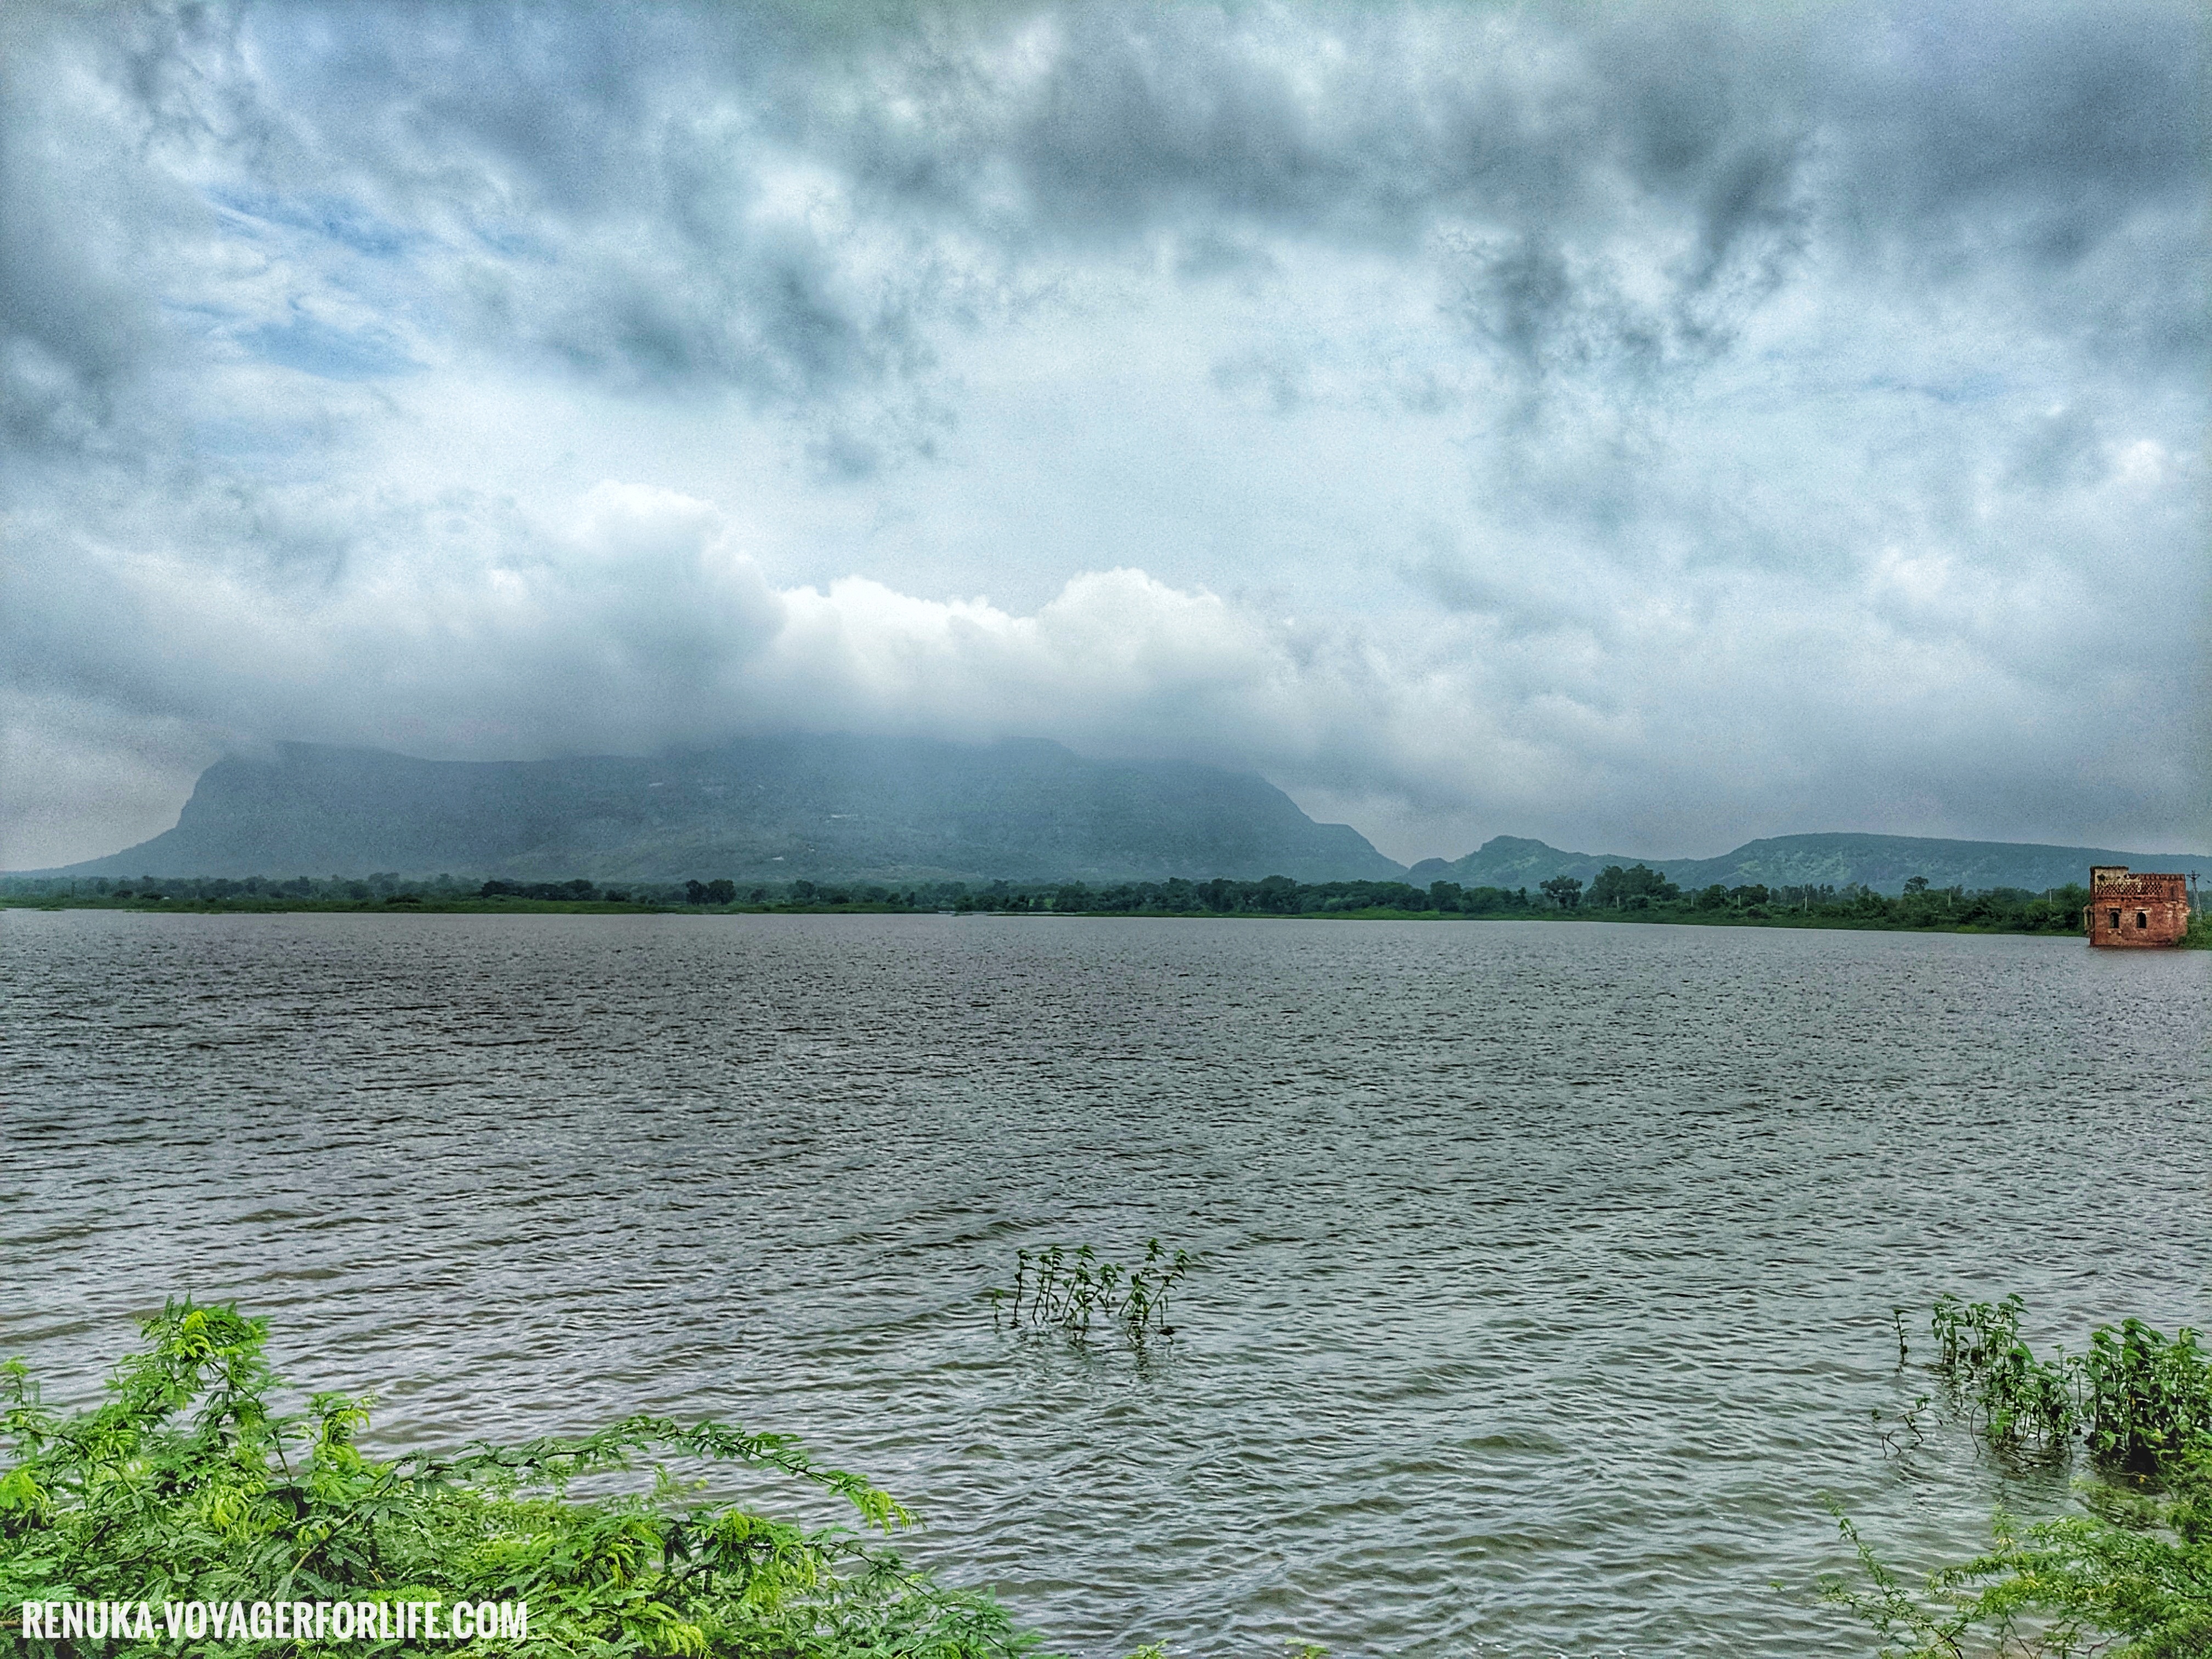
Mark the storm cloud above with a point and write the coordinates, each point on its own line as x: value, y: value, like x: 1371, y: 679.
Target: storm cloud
x: 1639, y: 427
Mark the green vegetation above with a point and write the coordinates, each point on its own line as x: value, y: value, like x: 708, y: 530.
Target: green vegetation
x: 2136, y: 1398
x: 185, y: 1485
x: 1635, y: 894
x: 1060, y: 1290
x: 385, y: 892
x: 2130, y: 1576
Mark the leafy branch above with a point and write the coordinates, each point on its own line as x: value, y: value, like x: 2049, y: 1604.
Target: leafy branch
x: 183, y: 1484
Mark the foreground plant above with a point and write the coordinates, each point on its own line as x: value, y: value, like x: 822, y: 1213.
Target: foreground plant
x: 2128, y: 1577
x: 184, y: 1485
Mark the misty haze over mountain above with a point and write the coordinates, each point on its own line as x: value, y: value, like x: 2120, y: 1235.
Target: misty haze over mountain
x: 1628, y: 426
x: 760, y: 810
x: 772, y: 810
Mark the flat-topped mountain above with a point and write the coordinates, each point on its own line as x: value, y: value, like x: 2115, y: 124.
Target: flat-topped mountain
x: 762, y: 809
x: 884, y: 808
x: 1885, y: 863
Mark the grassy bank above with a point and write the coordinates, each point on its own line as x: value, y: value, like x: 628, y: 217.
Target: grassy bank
x: 187, y: 905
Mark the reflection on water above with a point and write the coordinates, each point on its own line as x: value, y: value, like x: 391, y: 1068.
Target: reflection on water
x: 1548, y: 1268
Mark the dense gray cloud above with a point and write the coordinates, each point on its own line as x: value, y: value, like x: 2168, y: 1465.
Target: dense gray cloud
x: 1648, y: 428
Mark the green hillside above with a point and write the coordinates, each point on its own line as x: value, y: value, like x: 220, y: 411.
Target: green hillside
x: 1883, y: 863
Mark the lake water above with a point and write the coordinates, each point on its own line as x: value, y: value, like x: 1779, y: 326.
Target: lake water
x: 1549, y: 1269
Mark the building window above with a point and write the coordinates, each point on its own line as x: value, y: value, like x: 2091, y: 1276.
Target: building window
x: 2142, y: 919
x: 2116, y: 919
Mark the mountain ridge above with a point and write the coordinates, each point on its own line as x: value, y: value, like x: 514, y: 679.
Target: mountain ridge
x: 1835, y: 858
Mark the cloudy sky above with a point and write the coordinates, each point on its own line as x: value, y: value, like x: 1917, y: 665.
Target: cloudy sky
x: 1641, y: 427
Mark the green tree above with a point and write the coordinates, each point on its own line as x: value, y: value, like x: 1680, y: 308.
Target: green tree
x: 1633, y: 889
x: 1565, y: 892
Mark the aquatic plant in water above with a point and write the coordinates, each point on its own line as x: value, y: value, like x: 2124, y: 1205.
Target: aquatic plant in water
x: 2136, y: 1398
x: 186, y: 1484
x: 2013, y: 1398
x: 2131, y: 1575
x: 1063, y: 1290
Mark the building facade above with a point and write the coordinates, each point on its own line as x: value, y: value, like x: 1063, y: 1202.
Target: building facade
x: 2130, y: 908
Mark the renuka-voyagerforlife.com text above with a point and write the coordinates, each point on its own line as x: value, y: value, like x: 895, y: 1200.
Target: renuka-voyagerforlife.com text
x: 279, y: 1621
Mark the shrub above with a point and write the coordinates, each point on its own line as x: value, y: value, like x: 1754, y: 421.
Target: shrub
x: 2128, y: 1577
x: 185, y: 1485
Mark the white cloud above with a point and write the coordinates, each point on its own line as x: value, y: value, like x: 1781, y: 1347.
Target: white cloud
x: 1664, y: 427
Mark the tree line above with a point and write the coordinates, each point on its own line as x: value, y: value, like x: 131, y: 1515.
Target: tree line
x: 1635, y: 892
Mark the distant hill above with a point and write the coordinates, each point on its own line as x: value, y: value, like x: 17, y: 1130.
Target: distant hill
x: 1884, y: 863
x: 766, y: 809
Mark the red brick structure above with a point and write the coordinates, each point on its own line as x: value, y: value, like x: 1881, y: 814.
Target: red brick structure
x: 2127, y: 908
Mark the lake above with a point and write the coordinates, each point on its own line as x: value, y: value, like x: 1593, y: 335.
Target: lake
x: 1547, y: 1269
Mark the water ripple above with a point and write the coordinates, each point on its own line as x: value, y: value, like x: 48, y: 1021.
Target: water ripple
x: 1548, y: 1270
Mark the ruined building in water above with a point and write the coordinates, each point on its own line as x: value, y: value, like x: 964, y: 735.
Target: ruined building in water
x: 2126, y: 908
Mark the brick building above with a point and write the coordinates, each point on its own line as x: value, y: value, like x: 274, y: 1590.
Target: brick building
x: 2128, y: 908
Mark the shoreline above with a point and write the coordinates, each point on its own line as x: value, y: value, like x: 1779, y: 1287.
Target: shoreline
x: 2200, y: 937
